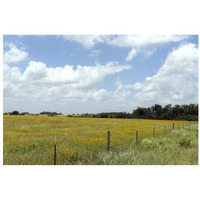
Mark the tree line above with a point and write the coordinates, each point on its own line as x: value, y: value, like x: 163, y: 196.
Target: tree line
x: 178, y: 112
x: 168, y: 112
x: 27, y: 113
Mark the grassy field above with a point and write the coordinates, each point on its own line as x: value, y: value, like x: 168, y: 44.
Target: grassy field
x: 179, y: 147
x: 29, y: 140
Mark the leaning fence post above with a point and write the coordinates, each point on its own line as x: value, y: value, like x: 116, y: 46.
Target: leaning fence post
x: 108, y: 141
x: 153, y: 131
x: 136, y: 136
x: 55, y: 152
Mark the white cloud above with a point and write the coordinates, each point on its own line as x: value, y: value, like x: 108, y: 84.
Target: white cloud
x: 11, y: 73
x: 61, y: 98
x: 14, y: 55
x: 131, y: 54
x: 87, y: 41
x: 77, y: 89
x: 121, y: 94
x: 135, y: 86
x: 81, y: 77
x: 95, y: 53
x: 175, y: 82
x: 144, y: 40
x: 60, y: 88
x: 35, y: 71
x: 148, y: 53
x: 146, y: 44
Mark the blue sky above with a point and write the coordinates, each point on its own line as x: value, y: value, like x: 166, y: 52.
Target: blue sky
x: 115, y: 73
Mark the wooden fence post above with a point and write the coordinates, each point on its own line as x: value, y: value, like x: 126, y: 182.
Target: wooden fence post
x: 55, y: 152
x: 108, y: 141
x: 153, y: 131
x: 165, y: 130
x: 173, y: 126
x: 178, y: 126
x: 136, y: 136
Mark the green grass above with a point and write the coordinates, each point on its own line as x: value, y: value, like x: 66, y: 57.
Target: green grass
x: 179, y: 147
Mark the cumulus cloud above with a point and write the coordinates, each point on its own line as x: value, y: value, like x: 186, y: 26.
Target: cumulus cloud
x: 11, y: 73
x: 121, y: 94
x: 35, y: 71
x: 77, y: 88
x: 79, y: 77
x: 14, y: 55
x: 54, y: 87
x: 176, y: 80
x: 58, y: 87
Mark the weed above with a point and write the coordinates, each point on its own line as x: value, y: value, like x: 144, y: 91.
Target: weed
x: 185, y: 142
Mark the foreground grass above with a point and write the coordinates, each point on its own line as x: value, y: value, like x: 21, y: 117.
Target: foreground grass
x: 29, y: 140
x: 179, y: 147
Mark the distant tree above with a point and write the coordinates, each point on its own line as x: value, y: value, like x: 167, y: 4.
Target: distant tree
x: 156, y: 111
x: 15, y: 112
x: 191, y: 117
x: 25, y: 113
x: 103, y: 115
x: 141, y: 113
x: 167, y: 108
x: 120, y: 115
x: 176, y: 112
x: 165, y: 116
x: 50, y: 113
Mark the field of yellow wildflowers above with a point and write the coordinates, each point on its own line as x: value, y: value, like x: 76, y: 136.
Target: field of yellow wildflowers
x: 29, y: 140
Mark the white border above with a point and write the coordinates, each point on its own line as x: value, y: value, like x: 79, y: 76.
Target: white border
x: 98, y: 17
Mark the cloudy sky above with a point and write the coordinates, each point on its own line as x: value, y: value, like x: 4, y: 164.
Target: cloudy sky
x: 98, y: 73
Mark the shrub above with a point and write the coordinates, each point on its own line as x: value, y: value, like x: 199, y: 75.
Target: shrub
x: 185, y: 143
